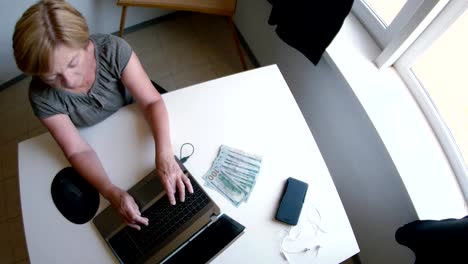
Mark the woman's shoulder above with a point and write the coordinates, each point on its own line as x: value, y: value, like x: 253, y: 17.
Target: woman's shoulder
x: 40, y: 92
x: 107, y: 42
x: 44, y: 100
x: 37, y: 88
x: 112, y: 53
x: 100, y: 38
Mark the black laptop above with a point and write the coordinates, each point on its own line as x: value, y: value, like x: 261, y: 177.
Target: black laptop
x: 175, y: 232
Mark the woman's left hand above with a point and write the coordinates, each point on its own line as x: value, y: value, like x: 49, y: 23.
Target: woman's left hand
x: 172, y: 177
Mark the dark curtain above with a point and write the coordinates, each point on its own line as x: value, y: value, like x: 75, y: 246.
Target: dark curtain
x: 309, y: 25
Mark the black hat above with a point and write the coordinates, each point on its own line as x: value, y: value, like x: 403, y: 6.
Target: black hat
x: 74, y: 197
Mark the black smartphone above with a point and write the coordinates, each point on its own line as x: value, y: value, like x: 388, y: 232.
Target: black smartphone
x: 291, y: 202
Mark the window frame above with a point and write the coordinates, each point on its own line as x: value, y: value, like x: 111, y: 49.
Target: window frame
x: 383, y: 34
x: 401, y: 48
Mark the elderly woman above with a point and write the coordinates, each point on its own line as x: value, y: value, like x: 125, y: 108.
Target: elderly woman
x: 79, y: 80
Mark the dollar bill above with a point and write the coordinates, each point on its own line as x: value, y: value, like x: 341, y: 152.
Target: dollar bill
x: 244, y: 185
x: 240, y: 153
x: 237, y: 179
x: 240, y: 171
x: 240, y: 159
x: 233, y: 174
x: 225, y: 186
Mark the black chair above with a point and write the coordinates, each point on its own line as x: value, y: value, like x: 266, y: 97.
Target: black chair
x: 444, y: 241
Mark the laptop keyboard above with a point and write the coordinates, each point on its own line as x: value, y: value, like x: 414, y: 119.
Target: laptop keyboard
x: 133, y: 246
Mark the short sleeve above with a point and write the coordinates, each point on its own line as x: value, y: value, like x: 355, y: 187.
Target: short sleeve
x: 123, y: 52
x: 43, y: 105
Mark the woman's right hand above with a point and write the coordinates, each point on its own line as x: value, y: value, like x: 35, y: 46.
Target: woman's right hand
x: 124, y: 203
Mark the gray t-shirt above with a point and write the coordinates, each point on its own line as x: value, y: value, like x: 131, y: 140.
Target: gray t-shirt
x: 106, y: 95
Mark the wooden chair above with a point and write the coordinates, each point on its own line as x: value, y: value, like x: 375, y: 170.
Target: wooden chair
x: 216, y: 7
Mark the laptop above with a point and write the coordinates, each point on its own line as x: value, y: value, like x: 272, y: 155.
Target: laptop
x: 170, y: 227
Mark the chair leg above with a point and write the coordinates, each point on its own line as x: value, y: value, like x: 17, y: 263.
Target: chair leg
x: 236, y: 40
x: 122, y: 20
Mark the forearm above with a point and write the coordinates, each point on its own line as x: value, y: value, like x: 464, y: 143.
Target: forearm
x: 158, y: 119
x: 89, y: 167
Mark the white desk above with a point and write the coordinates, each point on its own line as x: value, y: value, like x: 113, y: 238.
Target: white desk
x: 253, y: 111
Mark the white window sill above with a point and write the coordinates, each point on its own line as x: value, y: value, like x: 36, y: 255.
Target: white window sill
x: 415, y: 150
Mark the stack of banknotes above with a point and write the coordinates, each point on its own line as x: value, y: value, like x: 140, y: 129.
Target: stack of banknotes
x: 233, y: 174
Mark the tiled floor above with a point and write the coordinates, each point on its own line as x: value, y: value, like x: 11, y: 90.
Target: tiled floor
x: 187, y: 49
x: 183, y: 50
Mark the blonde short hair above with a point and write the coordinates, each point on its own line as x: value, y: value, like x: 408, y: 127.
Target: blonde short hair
x: 43, y: 27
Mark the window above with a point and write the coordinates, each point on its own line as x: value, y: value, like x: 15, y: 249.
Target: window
x: 385, y: 19
x: 429, y: 52
x: 442, y: 71
x: 386, y: 10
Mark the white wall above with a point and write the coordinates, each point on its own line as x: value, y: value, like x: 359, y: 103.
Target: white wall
x: 103, y: 16
x: 369, y: 185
